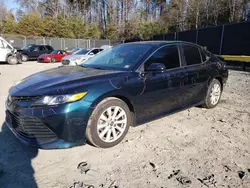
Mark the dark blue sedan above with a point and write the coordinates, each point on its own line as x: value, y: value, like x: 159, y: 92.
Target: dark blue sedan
x: 124, y: 86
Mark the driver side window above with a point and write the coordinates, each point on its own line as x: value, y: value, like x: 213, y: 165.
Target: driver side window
x: 168, y: 55
x: 36, y: 49
x: 6, y: 45
x: 95, y: 51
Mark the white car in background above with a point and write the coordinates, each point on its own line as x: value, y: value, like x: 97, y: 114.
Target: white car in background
x: 80, y: 56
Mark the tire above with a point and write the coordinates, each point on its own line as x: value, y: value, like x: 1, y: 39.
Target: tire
x: 52, y: 60
x: 99, y: 123
x: 214, y: 90
x: 12, y: 60
x: 25, y: 58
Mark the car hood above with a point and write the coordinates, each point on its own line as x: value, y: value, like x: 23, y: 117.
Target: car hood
x: 61, y: 80
x: 70, y: 57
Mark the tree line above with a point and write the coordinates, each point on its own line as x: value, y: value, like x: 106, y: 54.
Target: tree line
x: 117, y: 19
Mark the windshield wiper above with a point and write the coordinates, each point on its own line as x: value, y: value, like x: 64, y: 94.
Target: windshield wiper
x: 92, y: 67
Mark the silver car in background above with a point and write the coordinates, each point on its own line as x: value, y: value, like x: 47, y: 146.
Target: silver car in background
x: 80, y: 56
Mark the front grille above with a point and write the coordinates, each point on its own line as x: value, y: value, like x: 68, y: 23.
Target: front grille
x: 13, y: 98
x: 40, y: 60
x: 30, y: 127
x: 65, y: 62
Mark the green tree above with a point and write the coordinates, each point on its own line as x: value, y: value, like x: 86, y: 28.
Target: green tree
x: 146, y: 30
x: 49, y: 27
x: 31, y: 25
x: 9, y: 25
x: 77, y: 27
x: 92, y: 32
x: 63, y: 28
x: 112, y: 32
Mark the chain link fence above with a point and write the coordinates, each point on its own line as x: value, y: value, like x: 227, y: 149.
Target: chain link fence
x: 18, y: 41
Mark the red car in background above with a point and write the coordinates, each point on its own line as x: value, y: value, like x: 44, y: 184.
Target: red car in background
x: 55, y: 56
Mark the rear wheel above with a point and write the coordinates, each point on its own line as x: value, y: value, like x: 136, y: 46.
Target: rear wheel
x: 12, y: 60
x: 109, y: 123
x: 213, y: 94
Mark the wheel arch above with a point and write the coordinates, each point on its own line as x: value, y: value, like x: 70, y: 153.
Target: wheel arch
x: 219, y: 78
x: 125, y: 98
x: 8, y: 55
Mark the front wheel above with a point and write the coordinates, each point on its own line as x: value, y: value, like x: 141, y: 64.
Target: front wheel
x: 109, y: 123
x: 52, y: 60
x: 213, y: 94
x: 12, y: 60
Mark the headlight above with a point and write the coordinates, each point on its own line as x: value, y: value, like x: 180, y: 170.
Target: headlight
x: 58, y: 99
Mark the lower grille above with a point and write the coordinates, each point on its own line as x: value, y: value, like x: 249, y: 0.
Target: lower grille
x: 30, y: 127
x: 40, y: 60
x: 65, y: 62
x: 13, y: 98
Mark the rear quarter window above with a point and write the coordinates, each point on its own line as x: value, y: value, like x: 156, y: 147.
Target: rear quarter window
x: 49, y: 48
x: 191, y: 54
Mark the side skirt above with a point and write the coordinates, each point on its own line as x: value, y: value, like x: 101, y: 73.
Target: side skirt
x: 164, y: 114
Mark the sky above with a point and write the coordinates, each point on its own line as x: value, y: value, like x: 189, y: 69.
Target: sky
x: 11, y: 4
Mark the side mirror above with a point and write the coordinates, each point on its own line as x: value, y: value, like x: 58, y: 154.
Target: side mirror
x: 156, y: 67
x: 91, y: 53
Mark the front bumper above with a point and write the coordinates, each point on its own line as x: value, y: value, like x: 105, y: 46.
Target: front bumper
x: 68, y: 62
x: 61, y: 126
x: 43, y: 60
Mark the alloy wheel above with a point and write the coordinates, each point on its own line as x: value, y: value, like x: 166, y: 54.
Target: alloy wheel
x: 215, y: 94
x: 112, y: 124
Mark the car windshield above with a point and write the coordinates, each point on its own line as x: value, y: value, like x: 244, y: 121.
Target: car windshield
x: 82, y: 52
x: 122, y: 57
x: 73, y: 50
x: 55, y: 52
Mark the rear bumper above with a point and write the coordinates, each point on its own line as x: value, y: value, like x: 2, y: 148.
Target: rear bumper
x: 61, y: 126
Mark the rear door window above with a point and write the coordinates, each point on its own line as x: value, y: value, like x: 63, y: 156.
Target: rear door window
x: 169, y: 56
x: 191, y: 54
x: 42, y: 48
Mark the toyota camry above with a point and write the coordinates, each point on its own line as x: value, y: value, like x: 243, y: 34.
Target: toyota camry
x: 124, y: 86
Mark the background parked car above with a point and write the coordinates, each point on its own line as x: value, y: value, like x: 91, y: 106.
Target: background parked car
x: 8, y: 53
x: 55, y: 56
x: 33, y: 51
x: 80, y: 56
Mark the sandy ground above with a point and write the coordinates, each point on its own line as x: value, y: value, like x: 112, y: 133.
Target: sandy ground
x: 208, y: 147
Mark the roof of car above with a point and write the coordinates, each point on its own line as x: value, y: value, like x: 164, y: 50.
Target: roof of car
x: 157, y: 43
x: 37, y: 45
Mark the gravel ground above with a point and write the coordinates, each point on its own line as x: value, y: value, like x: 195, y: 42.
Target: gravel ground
x: 207, y: 147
